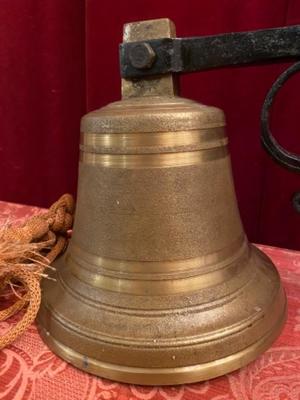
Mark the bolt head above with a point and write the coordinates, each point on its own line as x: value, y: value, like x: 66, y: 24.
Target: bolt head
x: 141, y: 56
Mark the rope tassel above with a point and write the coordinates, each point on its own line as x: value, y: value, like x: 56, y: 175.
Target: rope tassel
x: 26, y: 251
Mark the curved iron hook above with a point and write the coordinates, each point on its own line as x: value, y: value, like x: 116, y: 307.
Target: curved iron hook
x: 281, y: 155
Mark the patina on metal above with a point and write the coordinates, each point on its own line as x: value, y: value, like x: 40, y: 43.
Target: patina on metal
x: 159, y: 284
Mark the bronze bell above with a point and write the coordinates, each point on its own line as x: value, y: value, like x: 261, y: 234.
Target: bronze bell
x: 159, y: 284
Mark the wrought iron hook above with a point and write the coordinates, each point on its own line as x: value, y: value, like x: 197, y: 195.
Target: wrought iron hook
x: 281, y: 155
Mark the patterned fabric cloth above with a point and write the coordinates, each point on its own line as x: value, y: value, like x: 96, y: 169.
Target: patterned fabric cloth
x: 28, y: 370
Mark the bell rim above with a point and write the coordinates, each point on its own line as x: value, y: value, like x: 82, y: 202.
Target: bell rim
x: 167, y: 376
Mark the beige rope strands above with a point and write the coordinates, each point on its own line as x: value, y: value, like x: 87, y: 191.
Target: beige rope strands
x: 26, y: 252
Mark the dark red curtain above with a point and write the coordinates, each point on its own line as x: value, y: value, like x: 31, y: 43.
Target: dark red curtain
x: 42, y: 97
x: 42, y: 86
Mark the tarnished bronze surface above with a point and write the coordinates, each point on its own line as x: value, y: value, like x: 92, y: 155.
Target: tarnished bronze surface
x: 160, y: 85
x: 159, y: 284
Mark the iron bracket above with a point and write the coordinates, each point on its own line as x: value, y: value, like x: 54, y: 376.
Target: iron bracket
x: 180, y: 55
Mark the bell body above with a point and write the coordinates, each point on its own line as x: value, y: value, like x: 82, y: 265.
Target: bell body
x: 159, y: 284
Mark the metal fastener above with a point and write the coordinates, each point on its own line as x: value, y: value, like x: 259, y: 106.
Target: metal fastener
x: 141, y: 56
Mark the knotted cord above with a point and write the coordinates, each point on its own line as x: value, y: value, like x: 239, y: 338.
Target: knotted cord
x: 26, y: 251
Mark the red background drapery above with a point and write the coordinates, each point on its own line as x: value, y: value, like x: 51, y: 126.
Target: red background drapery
x: 45, y: 80
x: 42, y: 97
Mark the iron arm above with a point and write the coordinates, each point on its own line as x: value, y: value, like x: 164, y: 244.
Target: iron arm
x: 180, y: 55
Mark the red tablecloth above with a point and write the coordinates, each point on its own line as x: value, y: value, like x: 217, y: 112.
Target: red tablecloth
x: 28, y: 370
